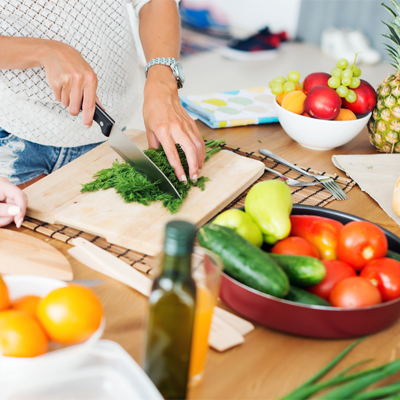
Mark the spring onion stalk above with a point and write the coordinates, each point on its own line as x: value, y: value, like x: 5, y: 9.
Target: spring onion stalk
x: 303, y: 390
x: 348, y: 390
x: 308, y: 391
x: 379, y: 392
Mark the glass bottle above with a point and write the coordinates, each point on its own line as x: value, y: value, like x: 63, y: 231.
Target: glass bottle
x: 171, y: 316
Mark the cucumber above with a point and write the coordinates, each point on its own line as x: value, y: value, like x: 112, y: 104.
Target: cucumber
x: 243, y: 261
x: 301, y: 270
x: 299, y: 295
x: 393, y: 254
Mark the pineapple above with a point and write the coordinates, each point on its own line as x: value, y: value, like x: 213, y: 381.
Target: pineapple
x: 384, y: 125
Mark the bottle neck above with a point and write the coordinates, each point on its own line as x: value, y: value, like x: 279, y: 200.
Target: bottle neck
x: 177, y: 265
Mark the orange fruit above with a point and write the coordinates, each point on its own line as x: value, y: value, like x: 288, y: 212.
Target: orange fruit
x: 345, y: 115
x: 281, y: 96
x: 4, y: 296
x: 26, y: 303
x: 294, y: 102
x: 70, y: 314
x: 21, y: 335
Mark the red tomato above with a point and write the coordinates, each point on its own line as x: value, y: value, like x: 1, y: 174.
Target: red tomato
x: 295, y: 245
x: 336, y: 271
x: 384, y: 273
x: 360, y: 242
x: 355, y: 292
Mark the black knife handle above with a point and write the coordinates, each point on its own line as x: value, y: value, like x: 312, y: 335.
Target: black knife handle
x: 104, y: 120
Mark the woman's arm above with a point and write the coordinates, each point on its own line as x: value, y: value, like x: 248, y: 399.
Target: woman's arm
x: 70, y: 77
x: 165, y: 119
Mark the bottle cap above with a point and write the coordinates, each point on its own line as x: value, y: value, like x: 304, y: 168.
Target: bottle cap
x: 179, y: 238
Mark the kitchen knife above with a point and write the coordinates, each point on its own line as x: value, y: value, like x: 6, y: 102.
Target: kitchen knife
x: 131, y: 153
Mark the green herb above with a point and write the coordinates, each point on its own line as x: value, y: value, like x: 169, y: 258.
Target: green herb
x: 307, y: 389
x: 356, y: 383
x: 259, y: 141
x: 134, y: 187
x: 370, y: 167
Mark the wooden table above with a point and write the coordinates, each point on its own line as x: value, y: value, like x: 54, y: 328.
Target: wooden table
x: 269, y: 363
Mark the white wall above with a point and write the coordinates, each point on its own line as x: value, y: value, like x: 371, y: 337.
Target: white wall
x: 252, y: 15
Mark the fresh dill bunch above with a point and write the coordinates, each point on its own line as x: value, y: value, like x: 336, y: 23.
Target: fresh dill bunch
x: 134, y: 187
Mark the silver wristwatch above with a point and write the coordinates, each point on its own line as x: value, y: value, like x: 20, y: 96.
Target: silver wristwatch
x: 175, y: 66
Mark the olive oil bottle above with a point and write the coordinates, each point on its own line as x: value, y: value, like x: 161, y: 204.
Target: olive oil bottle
x: 171, y: 316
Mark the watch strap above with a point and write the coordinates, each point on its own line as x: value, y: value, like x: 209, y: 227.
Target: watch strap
x: 170, y: 62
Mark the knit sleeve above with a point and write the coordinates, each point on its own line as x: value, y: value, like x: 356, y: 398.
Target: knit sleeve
x: 138, y: 4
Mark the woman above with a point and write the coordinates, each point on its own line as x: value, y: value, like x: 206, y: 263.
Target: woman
x: 58, y: 57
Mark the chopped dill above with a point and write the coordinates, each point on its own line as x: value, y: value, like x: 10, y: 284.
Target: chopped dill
x: 134, y: 187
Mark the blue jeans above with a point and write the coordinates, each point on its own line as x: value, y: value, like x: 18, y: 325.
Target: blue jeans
x: 21, y: 160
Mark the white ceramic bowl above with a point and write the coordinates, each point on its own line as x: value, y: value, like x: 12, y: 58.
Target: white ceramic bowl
x: 14, y: 368
x: 318, y: 134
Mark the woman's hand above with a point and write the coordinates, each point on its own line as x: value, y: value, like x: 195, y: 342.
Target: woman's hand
x: 167, y: 122
x: 71, y: 78
x: 13, y: 202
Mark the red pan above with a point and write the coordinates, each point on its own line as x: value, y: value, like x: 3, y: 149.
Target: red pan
x: 311, y: 321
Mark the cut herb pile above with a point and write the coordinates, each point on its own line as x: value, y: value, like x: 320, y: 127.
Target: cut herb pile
x: 350, y: 386
x: 134, y: 187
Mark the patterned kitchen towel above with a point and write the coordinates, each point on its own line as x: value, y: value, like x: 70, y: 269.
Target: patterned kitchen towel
x: 234, y: 108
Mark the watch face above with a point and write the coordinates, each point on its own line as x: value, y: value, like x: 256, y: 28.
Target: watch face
x: 180, y: 71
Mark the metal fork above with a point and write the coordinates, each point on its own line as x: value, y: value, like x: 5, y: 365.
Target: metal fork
x: 290, y: 181
x: 327, y: 182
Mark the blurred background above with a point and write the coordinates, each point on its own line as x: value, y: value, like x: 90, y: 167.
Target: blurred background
x: 233, y: 44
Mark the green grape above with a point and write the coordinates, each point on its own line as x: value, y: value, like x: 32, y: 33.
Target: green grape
x: 334, y: 82
x: 342, y: 91
x: 289, y: 87
x: 355, y: 83
x: 351, y: 96
x: 293, y: 76
x: 337, y: 72
x: 277, y: 89
x: 342, y: 63
x: 348, y: 73
x: 280, y: 79
x: 356, y: 71
x: 346, y: 81
x: 272, y: 83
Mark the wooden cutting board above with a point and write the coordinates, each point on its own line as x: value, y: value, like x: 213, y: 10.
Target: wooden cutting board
x: 22, y: 254
x: 57, y: 198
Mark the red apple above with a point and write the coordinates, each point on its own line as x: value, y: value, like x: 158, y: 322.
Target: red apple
x: 322, y: 102
x: 315, y: 79
x: 366, y: 99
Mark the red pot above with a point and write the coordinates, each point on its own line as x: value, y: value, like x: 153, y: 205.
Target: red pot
x: 305, y: 320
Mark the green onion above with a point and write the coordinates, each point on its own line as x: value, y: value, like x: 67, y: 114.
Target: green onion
x: 302, y: 392
x: 348, y: 390
x: 379, y: 392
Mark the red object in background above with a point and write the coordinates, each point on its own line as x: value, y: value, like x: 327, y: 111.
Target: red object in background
x: 322, y: 102
x: 360, y: 242
x: 384, y: 273
x: 355, y: 292
x: 366, y: 99
x: 336, y: 271
x: 295, y: 245
x: 315, y: 79
x: 320, y: 231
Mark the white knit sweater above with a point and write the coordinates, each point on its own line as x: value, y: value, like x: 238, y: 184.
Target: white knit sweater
x: 100, y: 30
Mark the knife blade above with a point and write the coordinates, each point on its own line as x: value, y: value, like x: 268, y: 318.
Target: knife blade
x: 131, y: 153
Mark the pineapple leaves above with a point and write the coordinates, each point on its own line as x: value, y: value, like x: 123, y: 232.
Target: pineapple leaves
x: 389, y: 9
x: 393, y: 37
x: 396, y: 6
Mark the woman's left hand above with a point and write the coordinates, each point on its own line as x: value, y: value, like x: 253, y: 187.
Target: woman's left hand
x: 167, y: 123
